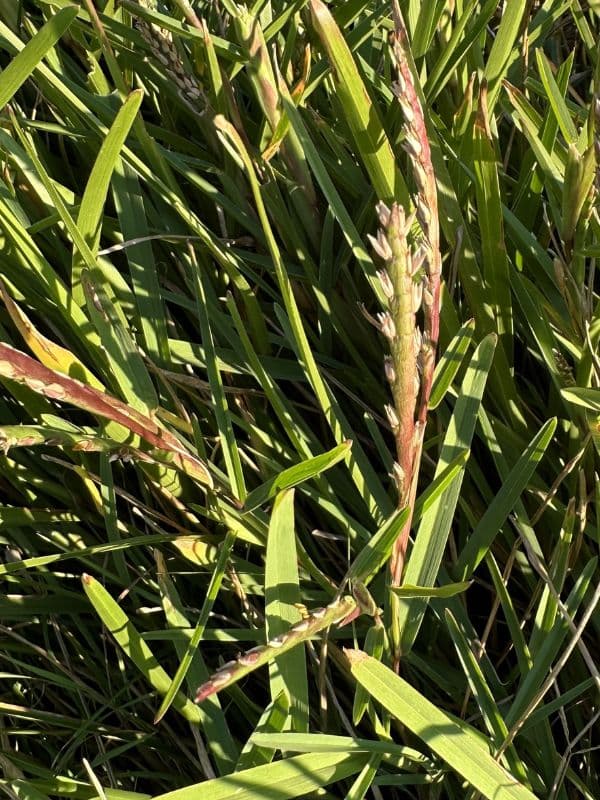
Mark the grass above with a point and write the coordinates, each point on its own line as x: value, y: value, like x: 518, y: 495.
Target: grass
x: 240, y: 381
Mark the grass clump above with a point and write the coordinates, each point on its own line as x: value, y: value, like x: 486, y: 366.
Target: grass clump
x: 299, y: 401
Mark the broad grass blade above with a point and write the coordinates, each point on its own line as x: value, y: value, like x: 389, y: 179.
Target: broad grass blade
x: 287, y: 673
x: 23, y: 64
x: 292, y: 777
x: 132, y: 644
x: 89, y: 219
x: 452, y: 739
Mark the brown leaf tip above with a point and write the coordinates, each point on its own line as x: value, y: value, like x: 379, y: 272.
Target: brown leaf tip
x: 355, y: 656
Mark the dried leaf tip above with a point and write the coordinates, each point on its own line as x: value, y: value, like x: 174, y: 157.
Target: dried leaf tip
x: 355, y: 656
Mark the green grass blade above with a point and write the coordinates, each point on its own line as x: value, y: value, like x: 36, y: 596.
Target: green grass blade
x: 361, y: 115
x: 272, y: 721
x: 15, y: 74
x: 332, y: 196
x: 495, y: 265
x: 449, y: 363
x: 482, y: 693
x: 213, y: 722
x: 285, y: 779
x: 447, y: 590
x: 500, y: 55
x: 556, y: 98
x: 211, y: 595
x: 363, y: 474
x: 452, y: 740
x: 125, y: 361
x: 282, y: 596
x: 425, y: 558
x: 131, y: 211
x: 293, y: 476
x: 89, y: 219
x: 130, y: 641
x: 503, y: 503
x: 533, y: 679
x: 231, y: 451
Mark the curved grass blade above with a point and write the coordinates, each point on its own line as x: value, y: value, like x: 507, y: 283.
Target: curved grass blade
x: 452, y: 739
x: 49, y: 353
x: 15, y: 74
x: 90, y: 217
x: 132, y: 644
x: 295, y: 475
x: 25, y: 370
x: 447, y: 590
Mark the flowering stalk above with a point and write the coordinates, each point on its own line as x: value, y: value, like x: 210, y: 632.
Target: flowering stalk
x: 340, y: 611
x: 163, y: 48
x: 411, y: 282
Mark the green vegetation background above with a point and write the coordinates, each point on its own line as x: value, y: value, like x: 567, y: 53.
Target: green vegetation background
x: 192, y: 400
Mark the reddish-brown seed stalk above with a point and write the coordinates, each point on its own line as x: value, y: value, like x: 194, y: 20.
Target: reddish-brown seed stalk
x: 411, y: 281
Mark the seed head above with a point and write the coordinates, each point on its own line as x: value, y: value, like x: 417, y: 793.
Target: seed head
x: 386, y: 283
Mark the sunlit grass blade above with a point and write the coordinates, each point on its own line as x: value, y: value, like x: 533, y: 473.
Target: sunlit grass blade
x: 23, y: 64
x: 449, y: 363
x: 126, y: 364
x: 282, y: 598
x: 89, y: 219
x: 450, y: 738
x: 500, y: 55
x: 447, y: 590
x: 293, y: 777
x: 49, y: 353
x: 361, y: 114
x: 293, y: 476
x: 128, y: 638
